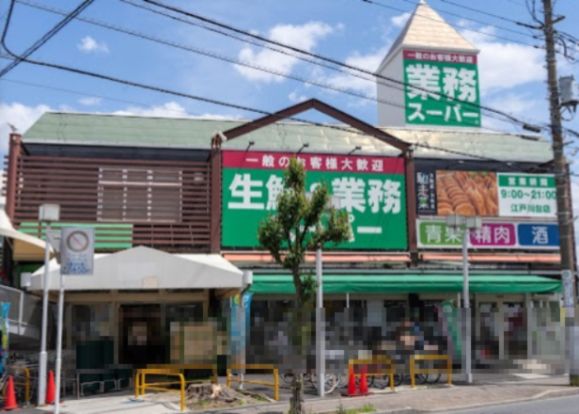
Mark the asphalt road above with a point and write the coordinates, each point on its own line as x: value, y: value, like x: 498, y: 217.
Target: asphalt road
x: 561, y: 405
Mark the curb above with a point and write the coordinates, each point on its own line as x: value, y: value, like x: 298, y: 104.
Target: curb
x: 542, y: 395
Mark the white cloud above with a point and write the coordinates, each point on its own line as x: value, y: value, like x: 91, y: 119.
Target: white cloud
x: 504, y: 65
x: 90, y: 101
x: 18, y: 115
x: 304, y: 36
x: 295, y: 97
x: 170, y: 109
x: 400, y: 20
x: 90, y: 45
x: 370, y: 62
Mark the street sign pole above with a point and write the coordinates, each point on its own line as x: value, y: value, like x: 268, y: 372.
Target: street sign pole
x: 320, y: 327
x: 42, y: 360
x: 59, y: 344
x: 47, y: 213
x: 76, y: 258
x: 467, y: 338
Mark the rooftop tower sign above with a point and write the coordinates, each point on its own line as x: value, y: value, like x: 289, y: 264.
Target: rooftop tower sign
x: 439, y: 69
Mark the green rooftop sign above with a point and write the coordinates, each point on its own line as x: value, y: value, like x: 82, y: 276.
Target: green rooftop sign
x: 370, y: 188
x: 441, y: 89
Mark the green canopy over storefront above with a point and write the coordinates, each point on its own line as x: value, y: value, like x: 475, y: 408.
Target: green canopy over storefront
x: 411, y: 283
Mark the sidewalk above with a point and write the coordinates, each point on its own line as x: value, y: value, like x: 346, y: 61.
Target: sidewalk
x: 488, y: 390
x: 433, y: 399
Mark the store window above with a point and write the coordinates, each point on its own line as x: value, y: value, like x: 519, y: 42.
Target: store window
x: 139, y: 195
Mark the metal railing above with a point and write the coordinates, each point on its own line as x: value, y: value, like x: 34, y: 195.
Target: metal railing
x: 254, y: 367
x: 378, y: 366
x: 426, y: 357
x: 189, y: 367
x: 141, y: 384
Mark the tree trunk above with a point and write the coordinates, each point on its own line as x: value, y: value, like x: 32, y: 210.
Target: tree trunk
x: 297, y: 396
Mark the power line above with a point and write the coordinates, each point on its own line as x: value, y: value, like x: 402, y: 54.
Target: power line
x: 223, y: 58
x: 472, y: 19
x: 489, y: 110
x: 79, y: 93
x: 47, y: 36
x: 481, y: 12
x: 233, y: 61
x: 230, y: 105
x: 487, y: 34
x: 179, y: 94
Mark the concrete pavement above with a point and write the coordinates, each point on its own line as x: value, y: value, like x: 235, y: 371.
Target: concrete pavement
x: 561, y: 405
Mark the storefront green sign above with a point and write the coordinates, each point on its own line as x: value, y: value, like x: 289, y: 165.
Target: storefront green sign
x: 441, y: 89
x: 371, y: 189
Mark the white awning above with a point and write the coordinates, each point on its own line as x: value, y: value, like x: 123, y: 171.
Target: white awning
x: 143, y: 268
x: 25, y: 245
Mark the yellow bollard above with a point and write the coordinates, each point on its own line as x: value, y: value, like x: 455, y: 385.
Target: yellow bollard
x: 276, y: 384
x: 412, y: 375
x: 182, y: 378
x: 449, y: 369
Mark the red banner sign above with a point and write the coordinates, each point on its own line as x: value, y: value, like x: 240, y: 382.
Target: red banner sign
x: 313, y: 162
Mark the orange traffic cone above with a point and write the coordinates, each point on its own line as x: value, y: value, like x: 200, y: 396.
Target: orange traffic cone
x: 363, y: 383
x: 50, y: 388
x: 10, y: 401
x: 351, y: 383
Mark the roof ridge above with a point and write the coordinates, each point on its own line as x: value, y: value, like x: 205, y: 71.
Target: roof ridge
x: 422, y: 13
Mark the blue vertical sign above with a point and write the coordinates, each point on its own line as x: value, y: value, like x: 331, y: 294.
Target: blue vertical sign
x: 538, y: 235
x: 4, y: 312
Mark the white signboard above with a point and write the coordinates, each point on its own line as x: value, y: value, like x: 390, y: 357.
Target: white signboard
x: 527, y: 195
x: 77, y: 251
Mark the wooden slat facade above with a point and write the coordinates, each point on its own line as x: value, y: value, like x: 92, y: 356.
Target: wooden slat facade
x: 167, y: 203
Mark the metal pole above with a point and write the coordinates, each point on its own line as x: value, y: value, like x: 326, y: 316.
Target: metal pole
x: 320, y: 327
x: 466, y: 349
x: 42, y: 362
x: 242, y: 338
x: 59, y: 345
x: 563, y: 196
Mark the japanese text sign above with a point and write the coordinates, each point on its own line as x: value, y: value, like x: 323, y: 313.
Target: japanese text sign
x: 435, y: 234
x: 527, y: 195
x: 371, y: 189
x: 441, y: 88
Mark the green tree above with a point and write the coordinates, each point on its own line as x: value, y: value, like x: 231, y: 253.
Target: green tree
x: 303, y: 223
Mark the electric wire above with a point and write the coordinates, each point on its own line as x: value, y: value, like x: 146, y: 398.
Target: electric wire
x: 226, y: 26
x: 223, y: 58
x: 481, y: 32
x: 211, y: 100
x: 234, y: 61
x: 490, y: 111
x: 45, y: 38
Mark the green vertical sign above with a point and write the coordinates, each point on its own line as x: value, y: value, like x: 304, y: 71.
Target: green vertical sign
x: 371, y: 189
x: 441, y: 89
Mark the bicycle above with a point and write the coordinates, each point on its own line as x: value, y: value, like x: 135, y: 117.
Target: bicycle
x: 330, y: 384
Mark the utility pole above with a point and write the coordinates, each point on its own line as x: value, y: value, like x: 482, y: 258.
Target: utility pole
x: 563, y: 195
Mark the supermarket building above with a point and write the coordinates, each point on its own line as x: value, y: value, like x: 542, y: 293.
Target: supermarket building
x: 176, y: 204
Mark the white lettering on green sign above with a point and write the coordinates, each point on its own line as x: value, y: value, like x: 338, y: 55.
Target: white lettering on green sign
x: 441, y: 93
x: 376, y: 204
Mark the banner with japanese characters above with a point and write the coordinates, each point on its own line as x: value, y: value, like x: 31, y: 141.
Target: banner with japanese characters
x: 484, y: 194
x: 442, y: 88
x: 435, y: 234
x: 371, y: 189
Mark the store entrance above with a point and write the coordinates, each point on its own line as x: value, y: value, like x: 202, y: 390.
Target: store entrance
x: 141, y: 336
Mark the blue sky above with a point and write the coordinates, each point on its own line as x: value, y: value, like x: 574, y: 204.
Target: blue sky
x: 512, y: 75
